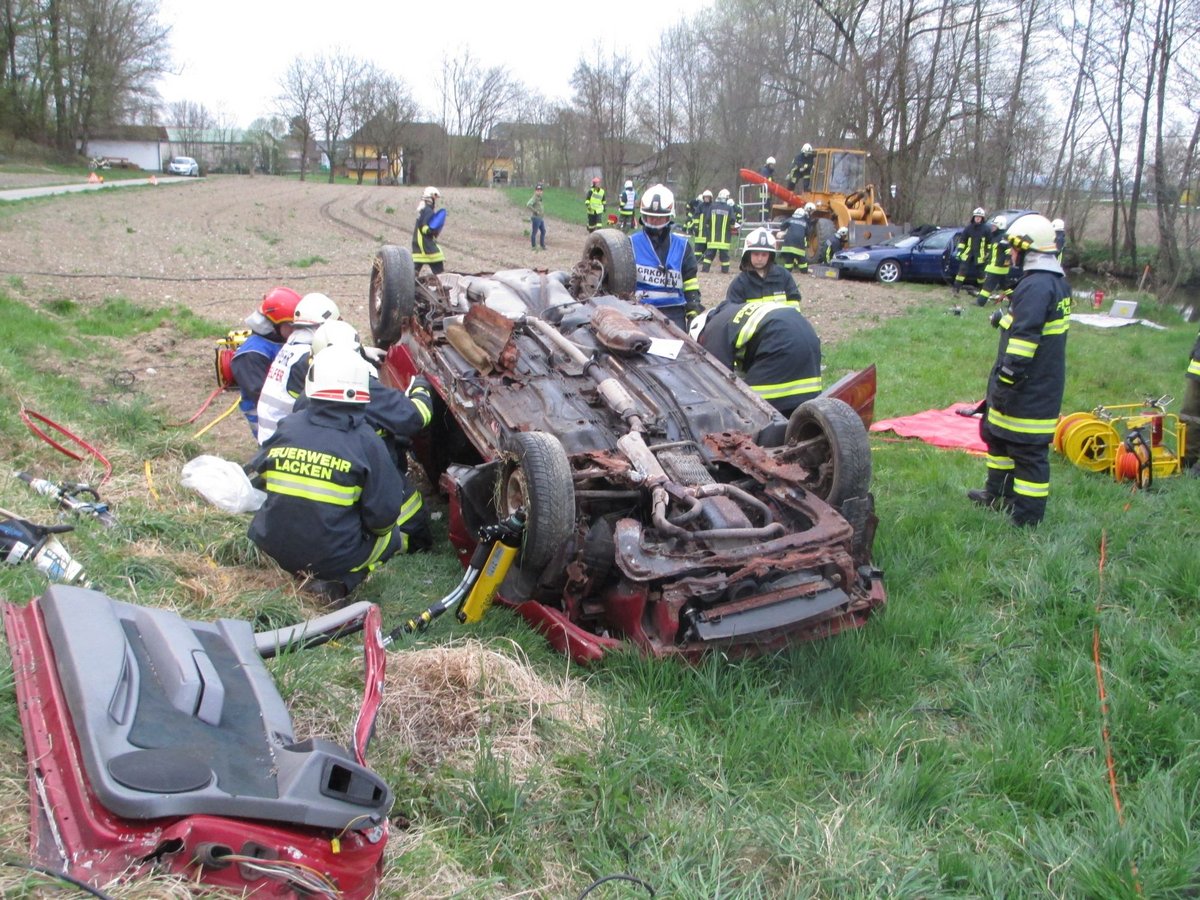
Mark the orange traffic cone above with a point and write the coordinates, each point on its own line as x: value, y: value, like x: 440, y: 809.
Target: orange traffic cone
x: 93, y: 178
x: 153, y: 180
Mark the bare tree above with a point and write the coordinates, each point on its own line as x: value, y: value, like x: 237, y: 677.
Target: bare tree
x: 474, y: 100
x: 297, y: 103
x: 71, y: 66
x: 192, y: 120
x: 338, y: 83
x: 603, y: 96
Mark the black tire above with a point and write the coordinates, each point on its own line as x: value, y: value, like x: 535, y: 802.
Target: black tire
x: 536, y: 478
x: 836, y: 448
x: 392, y: 297
x: 611, y: 248
x: 888, y: 272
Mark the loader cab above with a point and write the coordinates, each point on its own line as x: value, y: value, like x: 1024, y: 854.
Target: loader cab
x: 838, y: 171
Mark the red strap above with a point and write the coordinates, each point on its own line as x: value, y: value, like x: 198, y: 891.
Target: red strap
x: 27, y: 415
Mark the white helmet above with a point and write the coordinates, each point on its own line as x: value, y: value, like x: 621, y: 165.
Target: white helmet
x: 706, y: 194
x: 770, y: 160
x: 759, y: 240
x: 339, y: 375
x: 657, y: 201
x: 1058, y: 224
x: 1001, y: 222
x: 979, y: 211
x: 430, y: 193
x: 335, y: 333
x: 810, y: 208
x: 313, y: 310
x: 1032, y: 232
x: 799, y: 213
x: 843, y: 232
x: 723, y: 194
x: 628, y: 184
x: 807, y: 148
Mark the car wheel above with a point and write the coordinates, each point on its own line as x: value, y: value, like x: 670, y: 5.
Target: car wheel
x: 888, y: 271
x: 611, y: 248
x: 393, y: 293
x: 536, y: 479
x: 834, y: 446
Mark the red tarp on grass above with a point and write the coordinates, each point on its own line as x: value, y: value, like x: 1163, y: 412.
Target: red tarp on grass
x: 940, y: 427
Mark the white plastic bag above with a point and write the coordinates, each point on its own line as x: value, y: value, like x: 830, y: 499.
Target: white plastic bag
x: 222, y: 483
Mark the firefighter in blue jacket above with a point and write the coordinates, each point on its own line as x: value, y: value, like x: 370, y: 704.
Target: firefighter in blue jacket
x: 270, y: 326
x: 664, y: 260
x: 760, y: 333
x: 717, y: 226
x: 1025, y: 387
x: 425, y: 249
x: 336, y: 507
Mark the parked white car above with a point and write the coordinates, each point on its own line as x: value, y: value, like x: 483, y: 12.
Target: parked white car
x: 183, y: 165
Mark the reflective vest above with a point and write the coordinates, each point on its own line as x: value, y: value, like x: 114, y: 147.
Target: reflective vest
x: 255, y: 345
x: 658, y: 283
x: 285, y: 382
x: 594, y: 201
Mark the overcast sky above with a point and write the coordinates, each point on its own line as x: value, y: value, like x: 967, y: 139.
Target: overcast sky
x: 231, y: 54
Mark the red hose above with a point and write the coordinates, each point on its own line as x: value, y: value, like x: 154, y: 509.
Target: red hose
x: 27, y: 415
x: 203, y: 406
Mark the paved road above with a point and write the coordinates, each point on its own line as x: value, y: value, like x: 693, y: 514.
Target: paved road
x: 48, y: 190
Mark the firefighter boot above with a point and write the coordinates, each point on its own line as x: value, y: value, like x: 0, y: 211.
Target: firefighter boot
x: 997, y: 493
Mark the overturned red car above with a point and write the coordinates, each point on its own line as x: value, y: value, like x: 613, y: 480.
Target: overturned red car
x: 665, y: 503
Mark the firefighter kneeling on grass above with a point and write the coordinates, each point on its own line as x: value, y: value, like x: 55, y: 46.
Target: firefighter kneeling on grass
x: 336, y: 506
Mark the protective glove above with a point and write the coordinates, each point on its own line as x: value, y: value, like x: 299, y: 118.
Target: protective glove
x: 995, y: 317
x: 375, y: 355
x: 420, y: 385
x: 691, y: 309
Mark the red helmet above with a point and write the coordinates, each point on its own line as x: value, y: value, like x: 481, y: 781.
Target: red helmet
x: 595, y: 181
x: 277, y: 308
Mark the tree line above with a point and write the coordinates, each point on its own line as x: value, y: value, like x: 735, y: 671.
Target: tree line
x: 1085, y: 110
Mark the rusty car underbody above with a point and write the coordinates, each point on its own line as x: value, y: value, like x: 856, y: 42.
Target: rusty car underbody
x: 665, y: 503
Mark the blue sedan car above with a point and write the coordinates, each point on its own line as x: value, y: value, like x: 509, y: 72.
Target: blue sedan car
x: 913, y: 257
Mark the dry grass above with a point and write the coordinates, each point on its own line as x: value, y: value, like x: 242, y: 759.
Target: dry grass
x: 441, y: 702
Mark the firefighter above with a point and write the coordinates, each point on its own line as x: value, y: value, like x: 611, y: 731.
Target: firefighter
x: 425, y: 249
x: 736, y: 209
x: 802, y: 168
x: 336, y: 507
x: 397, y: 416
x: 1025, y: 387
x: 270, y: 325
x: 793, y: 255
x: 760, y: 333
x: 593, y: 201
x: 285, y: 379
x: 970, y: 251
x: 664, y: 260
x: 1189, y: 411
x: 1060, y: 238
x: 717, y: 228
x: 768, y: 169
x: 628, y: 205
x: 701, y: 207
x: 995, y: 272
x: 834, y: 244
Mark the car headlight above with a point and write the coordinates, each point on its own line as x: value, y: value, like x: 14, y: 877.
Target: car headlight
x: 858, y: 257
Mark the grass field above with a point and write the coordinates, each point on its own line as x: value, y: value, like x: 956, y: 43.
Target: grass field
x: 952, y: 748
